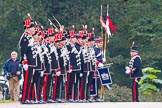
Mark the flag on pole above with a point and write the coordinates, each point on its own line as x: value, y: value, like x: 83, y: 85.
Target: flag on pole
x: 102, y: 21
x: 108, y: 25
x: 107, y: 28
x: 111, y: 25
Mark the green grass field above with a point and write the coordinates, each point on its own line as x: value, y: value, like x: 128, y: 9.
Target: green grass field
x: 6, y: 101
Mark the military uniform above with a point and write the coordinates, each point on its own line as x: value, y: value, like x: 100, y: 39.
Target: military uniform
x: 47, y: 72
x: 75, y: 63
x: 135, y: 70
x: 85, y: 70
x: 99, y: 59
x: 63, y: 58
x: 92, y: 66
x: 41, y: 69
x: 79, y: 73
x: 28, y: 59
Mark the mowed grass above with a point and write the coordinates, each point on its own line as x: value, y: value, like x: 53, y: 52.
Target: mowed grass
x: 124, y: 94
x: 7, y: 101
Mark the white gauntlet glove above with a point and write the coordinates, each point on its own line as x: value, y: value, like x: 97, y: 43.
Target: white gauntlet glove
x: 70, y: 69
x: 81, y: 75
x: 42, y: 73
x: 99, y: 64
x: 128, y: 70
x: 25, y: 67
x: 104, y: 60
x: 136, y: 79
x: 58, y: 72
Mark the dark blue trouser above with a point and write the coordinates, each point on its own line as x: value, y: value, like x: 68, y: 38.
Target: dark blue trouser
x: 135, y: 90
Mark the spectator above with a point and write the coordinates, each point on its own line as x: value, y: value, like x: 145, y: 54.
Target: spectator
x: 12, y: 71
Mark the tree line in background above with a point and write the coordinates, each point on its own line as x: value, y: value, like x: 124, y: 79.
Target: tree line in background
x: 136, y: 20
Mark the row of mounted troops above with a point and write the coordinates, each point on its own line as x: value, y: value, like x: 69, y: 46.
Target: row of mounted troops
x: 59, y: 61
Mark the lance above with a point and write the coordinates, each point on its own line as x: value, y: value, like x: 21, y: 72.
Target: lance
x: 101, y: 24
x: 104, y: 38
x: 107, y: 27
x: 103, y: 48
x: 104, y: 52
x: 104, y: 41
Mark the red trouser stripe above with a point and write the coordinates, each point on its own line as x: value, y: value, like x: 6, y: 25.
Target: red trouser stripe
x: 44, y: 88
x: 81, y: 90
x: 54, y: 87
x: 134, y: 89
x: 24, y: 86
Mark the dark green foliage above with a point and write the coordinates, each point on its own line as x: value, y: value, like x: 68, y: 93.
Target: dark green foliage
x: 136, y: 20
x: 150, y: 82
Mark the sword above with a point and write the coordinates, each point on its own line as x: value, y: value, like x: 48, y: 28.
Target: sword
x: 56, y: 29
x: 57, y: 21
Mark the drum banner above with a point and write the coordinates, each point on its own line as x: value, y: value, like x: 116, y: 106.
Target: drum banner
x: 104, y: 75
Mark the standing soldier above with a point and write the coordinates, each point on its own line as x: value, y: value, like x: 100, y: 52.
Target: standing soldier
x: 135, y: 71
x: 36, y: 74
x: 99, y: 61
x: 28, y: 59
x: 85, y: 68
x: 47, y: 72
x: 41, y: 66
x: 57, y: 73
x: 39, y: 70
x: 75, y: 65
x: 64, y: 66
x: 54, y: 64
x: 90, y: 74
x: 78, y: 74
